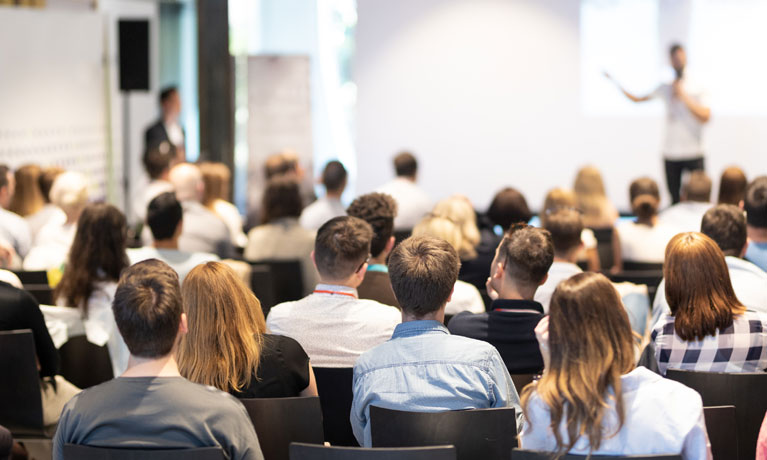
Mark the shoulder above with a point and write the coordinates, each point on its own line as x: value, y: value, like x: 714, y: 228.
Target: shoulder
x: 467, y: 322
x: 379, y: 309
x: 651, y: 388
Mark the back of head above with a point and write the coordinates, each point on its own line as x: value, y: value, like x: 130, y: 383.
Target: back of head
x: 591, y: 347
x: 459, y: 210
x: 280, y: 164
x: 442, y: 228
x: 698, y: 288
x: 334, y: 176
x: 589, y: 191
x: 46, y: 179
x: 726, y: 225
x: 216, y: 177
x: 509, y: 207
x: 565, y: 226
x: 645, y: 197
x: 755, y: 203
x: 558, y: 198
x: 423, y: 272
x: 27, y: 198
x: 697, y: 188
x: 226, y: 326
x: 405, y: 165
x: 187, y: 181
x: 147, y: 308
x: 341, y: 247
x: 527, y: 253
x: 159, y: 159
x: 164, y: 213
x: 281, y: 199
x: 167, y: 93
x: 378, y: 210
x: 70, y: 192
x: 732, y: 186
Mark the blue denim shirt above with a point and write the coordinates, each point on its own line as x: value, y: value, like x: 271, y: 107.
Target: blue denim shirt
x: 424, y: 368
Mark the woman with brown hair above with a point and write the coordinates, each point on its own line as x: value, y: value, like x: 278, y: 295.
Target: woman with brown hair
x: 591, y: 391
x: 227, y: 346
x: 644, y: 239
x: 27, y: 198
x: 708, y: 328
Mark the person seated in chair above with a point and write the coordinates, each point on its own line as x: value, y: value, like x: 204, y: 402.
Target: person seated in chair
x: 565, y: 226
x: 755, y: 206
x: 696, y: 199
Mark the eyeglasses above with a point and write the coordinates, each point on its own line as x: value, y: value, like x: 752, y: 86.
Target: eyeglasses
x: 363, y: 263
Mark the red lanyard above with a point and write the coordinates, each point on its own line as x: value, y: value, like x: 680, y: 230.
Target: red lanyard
x: 336, y: 292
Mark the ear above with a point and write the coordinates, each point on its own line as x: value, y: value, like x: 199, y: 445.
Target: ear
x: 361, y: 273
x: 499, y: 271
x: 314, y: 262
x: 543, y: 281
x: 745, y: 248
x: 450, y: 297
x: 741, y: 205
x: 180, y: 227
x: 389, y: 245
x: 183, y: 326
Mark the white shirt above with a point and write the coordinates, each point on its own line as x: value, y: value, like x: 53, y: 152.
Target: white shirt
x: 180, y: 261
x: 643, y: 243
x: 153, y: 189
x: 51, y: 247
x: 175, y: 133
x: 233, y: 220
x: 334, y: 328
x: 558, y: 272
x: 685, y: 216
x: 684, y: 132
x: 15, y: 230
x: 466, y: 297
x: 48, y: 213
x: 662, y: 417
x: 412, y: 202
x: 321, y: 211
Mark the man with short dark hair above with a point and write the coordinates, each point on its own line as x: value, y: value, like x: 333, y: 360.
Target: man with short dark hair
x: 330, y: 206
x: 167, y: 128
x: 565, y: 227
x: 332, y: 324
x: 157, y: 162
x: 696, y: 199
x: 412, y: 202
x: 378, y: 210
x: 520, y: 266
x: 423, y: 367
x: 755, y: 205
x: 151, y: 405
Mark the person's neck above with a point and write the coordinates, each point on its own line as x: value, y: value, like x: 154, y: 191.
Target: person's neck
x: 171, y: 243
x: 169, y: 119
x: 438, y: 315
x: 164, y: 366
x: 335, y: 195
x: 651, y: 221
x: 569, y: 258
x: 380, y: 259
x: 407, y: 178
x: 509, y: 291
x: 757, y: 234
x: 348, y: 282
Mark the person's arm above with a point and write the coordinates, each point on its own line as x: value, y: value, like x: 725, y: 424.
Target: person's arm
x: 630, y: 96
x: 505, y: 392
x: 699, y: 110
x: 47, y: 354
x: 696, y: 444
x: 311, y: 389
x: 358, y: 415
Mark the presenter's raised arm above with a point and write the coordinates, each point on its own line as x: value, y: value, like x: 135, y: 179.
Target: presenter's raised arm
x: 632, y: 97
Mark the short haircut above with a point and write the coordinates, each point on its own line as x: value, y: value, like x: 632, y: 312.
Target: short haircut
x: 508, y: 208
x: 405, y: 164
x: 527, y: 252
x: 46, y: 179
x: 565, y: 226
x: 755, y: 203
x: 378, y: 210
x: 158, y: 159
x: 4, y: 171
x: 164, y: 213
x: 341, y: 246
x: 279, y: 164
x: 726, y: 225
x: 334, y: 176
x: 423, y: 272
x: 697, y: 187
x: 282, y: 198
x: 166, y: 93
x: 147, y: 308
x: 674, y: 48
x: 69, y: 191
x: 732, y: 186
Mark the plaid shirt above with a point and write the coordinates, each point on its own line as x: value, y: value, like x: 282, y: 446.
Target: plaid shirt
x: 741, y: 347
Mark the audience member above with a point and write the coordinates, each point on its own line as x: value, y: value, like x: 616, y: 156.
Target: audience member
x: 49, y: 212
x: 412, y: 202
x: 167, y: 128
x: 644, y: 239
x: 280, y: 236
x: 165, y: 221
x: 227, y: 346
x: 508, y: 207
x: 281, y: 164
x: 558, y: 198
x: 27, y: 198
x: 13, y: 228
x: 378, y: 210
x: 96, y: 259
x: 708, y: 329
x: 598, y: 211
x: 332, y: 324
x: 732, y: 186
x: 438, y: 371
x: 329, y: 206
x: 150, y: 404
x: 755, y: 206
x: 565, y: 226
x: 521, y: 264
x: 217, y: 178
x: 591, y: 400
x: 685, y: 216
x: 465, y: 297
x: 157, y: 163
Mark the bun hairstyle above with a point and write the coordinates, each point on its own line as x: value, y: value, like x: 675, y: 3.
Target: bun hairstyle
x: 645, y: 198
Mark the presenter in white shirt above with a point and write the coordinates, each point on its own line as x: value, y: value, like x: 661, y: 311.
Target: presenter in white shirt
x: 687, y: 113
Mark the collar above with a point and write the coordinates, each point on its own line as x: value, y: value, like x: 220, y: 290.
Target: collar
x: 419, y: 327
x: 378, y: 268
x: 336, y: 290
x: 517, y: 306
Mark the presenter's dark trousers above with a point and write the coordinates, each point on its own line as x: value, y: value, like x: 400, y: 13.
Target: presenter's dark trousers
x: 674, y: 170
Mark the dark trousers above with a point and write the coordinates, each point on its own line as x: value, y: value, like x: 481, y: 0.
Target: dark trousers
x: 674, y: 170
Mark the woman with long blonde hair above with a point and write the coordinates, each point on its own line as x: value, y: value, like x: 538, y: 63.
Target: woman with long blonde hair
x: 591, y: 399
x: 589, y: 188
x: 217, y: 177
x: 227, y: 345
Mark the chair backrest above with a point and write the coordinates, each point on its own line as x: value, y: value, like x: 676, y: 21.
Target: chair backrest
x: 631, y: 266
x: 280, y: 421
x: 287, y: 279
x: 32, y: 277
x: 745, y: 391
x: 300, y: 451
x: 488, y: 434
x: 401, y: 235
x: 262, y: 285
x: 78, y: 452
x: 722, y: 431
x: 334, y: 386
x: 21, y: 406
x: 521, y: 454
x: 604, y: 237
x: 522, y: 380
x: 42, y: 293
x: 650, y: 278
x: 85, y: 364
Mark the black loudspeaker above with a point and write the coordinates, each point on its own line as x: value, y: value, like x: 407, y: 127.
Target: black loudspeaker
x: 134, y: 54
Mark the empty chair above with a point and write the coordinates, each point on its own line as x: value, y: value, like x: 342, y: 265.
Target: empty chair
x: 21, y: 406
x: 42, y: 293
x: 300, y: 451
x: 287, y: 281
x: 334, y: 386
x: 722, y: 431
x: 488, y: 434
x: 262, y: 285
x: 521, y: 454
x: 32, y: 277
x: 604, y: 237
x: 630, y: 266
x: 85, y: 364
x: 77, y: 452
x: 281, y: 421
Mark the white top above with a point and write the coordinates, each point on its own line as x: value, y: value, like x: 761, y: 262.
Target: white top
x: 153, y: 189
x: 685, y: 216
x: 643, y: 243
x: 662, y: 417
x: 180, y: 261
x: 233, y: 220
x: 466, y: 297
x: 51, y: 247
x: 48, y: 213
x: 684, y: 132
x: 334, y: 328
x: 412, y: 202
x: 321, y: 211
x: 9, y: 277
x: 175, y: 133
x: 558, y: 272
x: 15, y: 230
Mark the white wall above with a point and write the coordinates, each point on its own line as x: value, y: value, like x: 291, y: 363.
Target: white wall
x: 487, y: 94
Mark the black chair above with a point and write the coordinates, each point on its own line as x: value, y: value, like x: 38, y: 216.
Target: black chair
x: 85, y: 364
x: 78, y: 452
x: 722, y: 431
x: 650, y: 278
x: 262, y: 285
x: 42, y: 293
x: 287, y: 279
x: 21, y: 405
x: 604, y: 237
x: 32, y: 277
x: 401, y: 235
x: 280, y: 421
x: 334, y: 386
x: 521, y: 454
x: 522, y: 380
x: 745, y: 391
x: 300, y: 451
x: 631, y: 266
x: 488, y: 434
